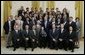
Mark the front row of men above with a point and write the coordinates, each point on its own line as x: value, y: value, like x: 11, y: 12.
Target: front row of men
x: 59, y: 38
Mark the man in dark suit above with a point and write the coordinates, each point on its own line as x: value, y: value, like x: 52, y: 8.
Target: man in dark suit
x: 71, y: 39
x: 41, y: 11
x: 62, y: 40
x: 16, y: 37
x: 32, y: 11
x: 52, y: 11
x: 26, y: 37
x: 14, y: 21
x: 54, y: 34
x: 8, y: 28
x: 43, y: 35
x: 66, y: 26
x: 47, y: 11
x: 72, y: 23
x: 20, y: 11
x: 27, y: 11
x: 28, y: 22
x: 78, y: 24
x: 38, y: 29
x: 58, y: 19
x: 34, y: 39
x: 46, y: 25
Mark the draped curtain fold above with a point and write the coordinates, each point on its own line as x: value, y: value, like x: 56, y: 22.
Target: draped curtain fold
x: 36, y: 4
x: 79, y: 12
x: 78, y: 9
x: 50, y: 4
x: 7, y: 5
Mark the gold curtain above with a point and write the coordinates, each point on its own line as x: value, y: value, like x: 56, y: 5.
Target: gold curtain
x: 36, y: 4
x: 7, y: 5
x: 79, y: 12
x: 50, y: 4
x: 78, y: 9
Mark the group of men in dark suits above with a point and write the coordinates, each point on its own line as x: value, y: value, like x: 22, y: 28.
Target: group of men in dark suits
x: 34, y: 28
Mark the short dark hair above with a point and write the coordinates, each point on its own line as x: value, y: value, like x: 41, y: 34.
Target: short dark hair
x: 77, y: 18
x: 71, y: 17
x: 27, y: 8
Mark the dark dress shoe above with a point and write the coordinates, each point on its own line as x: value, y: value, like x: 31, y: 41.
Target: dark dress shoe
x: 77, y: 47
x: 7, y: 46
x: 72, y: 51
x: 65, y: 49
x: 32, y: 49
x: 56, y: 48
x: 25, y: 49
x: 14, y: 49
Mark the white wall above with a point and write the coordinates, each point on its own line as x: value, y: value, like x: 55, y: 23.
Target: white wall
x: 70, y: 5
x: 17, y: 4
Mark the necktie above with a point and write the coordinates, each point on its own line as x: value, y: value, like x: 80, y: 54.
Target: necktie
x: 27, y: 31
x: 9, y: 25
x: 45, y: 24
x: 53, y: 30
x: 34, y: 32
x: 61, y: 30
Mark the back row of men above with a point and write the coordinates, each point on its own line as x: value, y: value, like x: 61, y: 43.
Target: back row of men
x: 52, y: 29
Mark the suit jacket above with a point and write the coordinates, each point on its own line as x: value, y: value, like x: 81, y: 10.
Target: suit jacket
x: 20, y: 12
x: 47, y: 27
x: 33, y: 36
x: 38, y: 33
x: 25, y: 34
x: 78, y: 25
x: 73, y: 24
x: 43, y: 33
x: 66, y: 26
x: 16, y: 36
x: 6, y: 27
x: 54, y: 35
x: 67, y: 19
x: 13, y: 22
x: 26, y: 23
x: 58, y: 23
x: 63, y: 35
x: 23, y: 19
x: 72, y: 35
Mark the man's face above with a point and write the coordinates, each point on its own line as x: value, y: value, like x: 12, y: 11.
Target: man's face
x: 34, y: 27
x: 22, y: 7
x: 9, y: 18
x: 46, y: 17
x: 70, y: 28
x: 27, y: 9
x: 20, y: 17
x: 27, y: 27
x: 40, y: 8
x: 56, y: 9
x: 38, y: 26
x: 16, y: 27
x: 47, y: 9
x: 27, y: 19
x: 53, y: 26
x: 42, y: 28
x: 32, y: 9
x: 62, y: 26
x: 70, y: 19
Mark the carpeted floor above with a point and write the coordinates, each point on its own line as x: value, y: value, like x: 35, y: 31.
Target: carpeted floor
x: 5, y: 50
